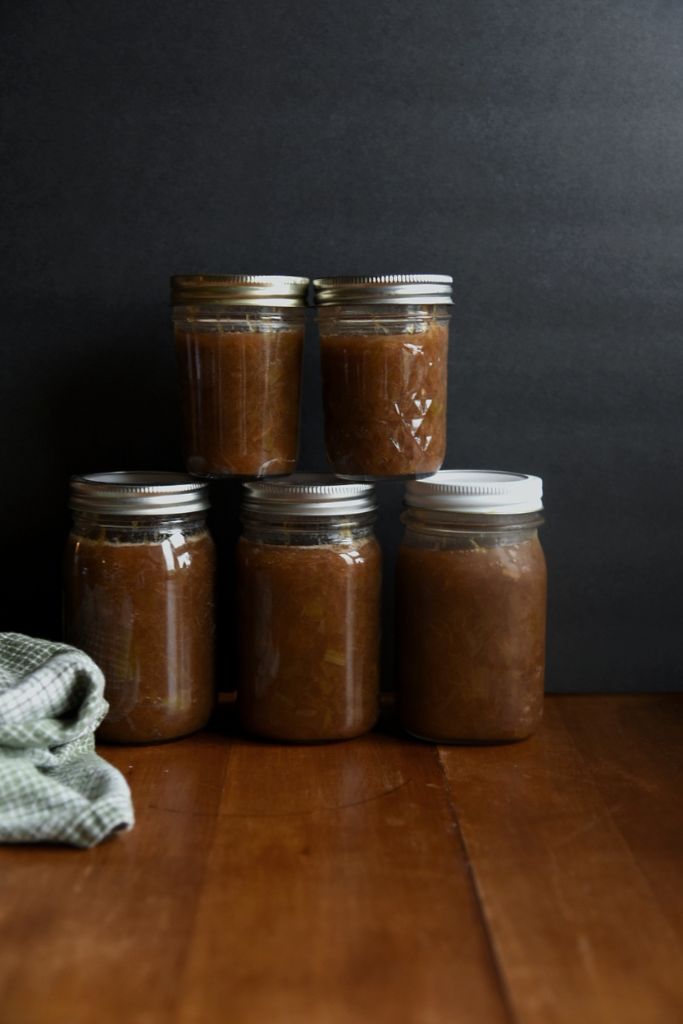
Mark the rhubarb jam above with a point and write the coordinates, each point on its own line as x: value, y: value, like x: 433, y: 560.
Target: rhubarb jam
x: 384, y: 397
x: 239, y: 366
x: 384, y: 359
x: 139, y: 599
x: 470, y: 612
x: 309, y: 595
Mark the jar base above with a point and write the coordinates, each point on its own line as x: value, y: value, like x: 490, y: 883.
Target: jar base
x: 370, y: 477
x: 153, y: 741
x: 288, y: 741
x: 239, y: 476
x: 504, y: 741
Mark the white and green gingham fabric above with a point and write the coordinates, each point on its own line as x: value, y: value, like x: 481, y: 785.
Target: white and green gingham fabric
x: 53, y: 786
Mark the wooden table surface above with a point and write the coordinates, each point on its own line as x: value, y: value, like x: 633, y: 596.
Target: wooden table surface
x: 381, y: 880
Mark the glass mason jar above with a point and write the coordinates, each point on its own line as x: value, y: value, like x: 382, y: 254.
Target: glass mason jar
x: 384, y: 357
x: 239, y: 343
x: 309, y: 570
x: 139, y: 579
x: 471, y: 608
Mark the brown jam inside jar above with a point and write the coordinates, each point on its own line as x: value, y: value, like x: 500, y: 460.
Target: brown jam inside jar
x: 471, y: 640
x: 310, y: 639
x: 239, y: 343
x: 384, y: 359
x: 144, y: 613
x: 240, y: 391
x: 139, y: 599
x: 309, y: 575
x: 471, y: 607
x: 384, y: 396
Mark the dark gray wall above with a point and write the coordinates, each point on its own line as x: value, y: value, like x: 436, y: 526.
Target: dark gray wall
x: 532, y: 148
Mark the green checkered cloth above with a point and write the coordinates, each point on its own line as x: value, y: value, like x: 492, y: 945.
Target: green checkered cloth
x: 53, y: 786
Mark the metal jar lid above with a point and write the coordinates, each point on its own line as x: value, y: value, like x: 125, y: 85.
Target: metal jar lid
x: 308, y: 494
x: 142, y: 493
x: 238, y: 290
x: 476, y: 491
x: 390, y: 289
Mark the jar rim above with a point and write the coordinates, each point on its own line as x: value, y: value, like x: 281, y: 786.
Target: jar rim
x: 487, y: 492
x: 238, y: 289
x: 308, y: 494
x: 138, y: 492
x: 384, y: 289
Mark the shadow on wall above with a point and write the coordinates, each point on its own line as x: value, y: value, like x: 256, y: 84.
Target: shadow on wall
x: 93, y: 400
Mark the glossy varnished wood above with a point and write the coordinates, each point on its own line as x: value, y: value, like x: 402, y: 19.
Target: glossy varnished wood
x: 377, y: 880
x: 340, y: 867
x: 104, y: 934
x: 576, y: 845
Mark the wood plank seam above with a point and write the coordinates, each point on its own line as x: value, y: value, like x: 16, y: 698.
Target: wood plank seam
x: 192, y: 925
x: 503, y: 988
x: 539, y: 819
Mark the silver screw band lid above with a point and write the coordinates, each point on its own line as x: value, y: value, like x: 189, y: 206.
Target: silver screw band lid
x: 139, y: 493
x: 308, y: 494
x: 478, y: 491
x: 238, y: 290
x: 390, y: 289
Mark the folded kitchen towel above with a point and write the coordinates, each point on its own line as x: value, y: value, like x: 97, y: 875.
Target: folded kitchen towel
x: 53, y: 786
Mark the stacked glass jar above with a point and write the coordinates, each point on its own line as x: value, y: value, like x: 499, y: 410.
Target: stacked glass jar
x: 309, y: 581
x: 470, y: 608
x: 239, y: 344
x: 470, y: 588
x: 384, y: 358
x: 139, y: 599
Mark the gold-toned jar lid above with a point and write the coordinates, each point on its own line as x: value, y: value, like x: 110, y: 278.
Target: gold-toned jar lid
x: 138, y: 493
x: 238, y: 290
x: 389, y: 289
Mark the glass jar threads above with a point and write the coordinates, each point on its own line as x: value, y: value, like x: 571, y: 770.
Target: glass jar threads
x: 384, y: 357
x: 471, y: 607
x: 239, y: 342
x: 139, y: 592
x: 309, y: 572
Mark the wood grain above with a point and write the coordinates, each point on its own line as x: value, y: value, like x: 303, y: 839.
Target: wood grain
x: 379, y: 880
x: 340, y: 867
x: 102, y: 935
x: 576, y: 845
x: 262, y: 883
x: 635, y: 749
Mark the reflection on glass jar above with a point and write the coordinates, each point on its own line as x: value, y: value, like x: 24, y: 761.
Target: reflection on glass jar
x: 471, y: 608
x: 239, y: 343
x: 309, y: 581
x: 139, y: 593
x: 384, y: 358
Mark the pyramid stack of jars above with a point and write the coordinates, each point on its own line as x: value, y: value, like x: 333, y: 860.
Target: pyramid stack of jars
x: 470, y: 581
